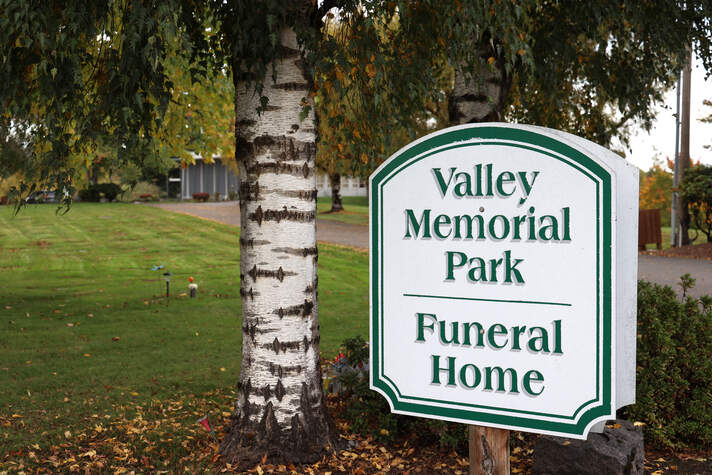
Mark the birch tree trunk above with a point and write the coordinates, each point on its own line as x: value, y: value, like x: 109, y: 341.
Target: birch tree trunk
x: 336, y: 204
x: 480, y: 96
x: 280, y: 409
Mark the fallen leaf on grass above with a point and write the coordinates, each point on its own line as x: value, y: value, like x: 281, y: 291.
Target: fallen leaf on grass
x: 116, y: 338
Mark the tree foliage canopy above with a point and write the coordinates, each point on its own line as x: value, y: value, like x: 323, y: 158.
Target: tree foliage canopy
x: 75, y: 70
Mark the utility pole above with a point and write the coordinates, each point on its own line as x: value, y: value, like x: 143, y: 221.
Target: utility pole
x: 684, y: 215
x: 674, y: 227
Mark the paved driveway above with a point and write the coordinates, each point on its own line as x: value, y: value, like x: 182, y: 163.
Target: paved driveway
x: 663, y: 270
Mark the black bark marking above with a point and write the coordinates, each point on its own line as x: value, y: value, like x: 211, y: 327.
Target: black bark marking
x: 299, y: 436
x: 279, y: 274
x: 280, y: 169
x: 469, y: 97
x: 291, y: 86
x: 269, y: 427
x: 248, y: 293
x: 249, y: 191
x: 282, y: 346
x: 304, y: 251
x: 308, y: 307
x: 281, y: 215
x: 245, y: 123
x: 266, y: 393
x: 250, y: 330
x: 306, y: 344
x: 252, y: 243
x: 246, y: 388
x: 303, y: 310
x: 265, y: 140
x: 310, y: 195
x: 279, y: 390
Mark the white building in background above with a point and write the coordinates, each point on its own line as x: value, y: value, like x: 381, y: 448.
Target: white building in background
x: 350, y: 186
x: 215, y: 177
x: 209, y: 178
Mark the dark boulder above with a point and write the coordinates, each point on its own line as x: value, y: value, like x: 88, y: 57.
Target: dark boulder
x: 617, y: 450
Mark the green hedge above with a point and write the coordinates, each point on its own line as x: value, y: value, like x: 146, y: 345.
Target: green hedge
x: 674, y: 372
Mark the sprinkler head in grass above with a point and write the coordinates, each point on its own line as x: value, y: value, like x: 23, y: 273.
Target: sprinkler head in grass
x: 192, y: 287
x: 167, y: 276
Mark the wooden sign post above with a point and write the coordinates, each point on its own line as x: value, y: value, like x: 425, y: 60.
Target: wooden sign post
x: 503, y: 283
x: 489, y: 450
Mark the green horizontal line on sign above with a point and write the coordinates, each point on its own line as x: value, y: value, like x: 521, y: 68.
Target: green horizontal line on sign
x: 533, y: 302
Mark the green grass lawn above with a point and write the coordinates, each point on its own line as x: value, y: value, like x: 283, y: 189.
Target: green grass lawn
x: 355, y: 210
x: 87, y: 334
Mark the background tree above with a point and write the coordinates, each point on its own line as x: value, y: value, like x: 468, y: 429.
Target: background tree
x: 656, y: 190
x: 696, y: 188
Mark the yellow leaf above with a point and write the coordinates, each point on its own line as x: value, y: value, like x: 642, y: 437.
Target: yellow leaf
x: 490, y: 60
x: 370, y: 70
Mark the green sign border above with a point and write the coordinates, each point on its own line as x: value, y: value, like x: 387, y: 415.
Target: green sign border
x: 470, y: 136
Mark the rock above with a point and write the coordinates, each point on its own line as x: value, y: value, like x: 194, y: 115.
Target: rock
x: 618, y: 450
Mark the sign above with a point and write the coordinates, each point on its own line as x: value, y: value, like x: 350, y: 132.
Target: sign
x: 503, y: 279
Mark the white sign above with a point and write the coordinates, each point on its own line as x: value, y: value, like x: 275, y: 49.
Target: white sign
x: 503, y: 279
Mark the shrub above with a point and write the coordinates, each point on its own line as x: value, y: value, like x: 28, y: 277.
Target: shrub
x: 147, y: 197
x: 109, y: 190
x: 674, y: 367
x: 202, y: 196
x: 232, y: 195
x: 94, y: 193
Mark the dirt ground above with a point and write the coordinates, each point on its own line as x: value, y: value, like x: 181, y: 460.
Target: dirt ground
x: 695, y: 251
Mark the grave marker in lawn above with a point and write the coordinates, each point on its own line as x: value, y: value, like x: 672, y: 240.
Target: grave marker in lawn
x: 503, y: 274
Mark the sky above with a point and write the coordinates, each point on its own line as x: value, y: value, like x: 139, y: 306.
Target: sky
x: 661, y: 139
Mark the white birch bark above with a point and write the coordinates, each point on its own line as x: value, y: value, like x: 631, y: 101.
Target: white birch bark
x: 280, y: 410
x: 480, y: 95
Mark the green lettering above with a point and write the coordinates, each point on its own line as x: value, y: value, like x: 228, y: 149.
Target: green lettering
x: 420, y: 336
x: 417, y: 225
x: 494, y: 331
x: 450, y: 370
x: 480, y: 333
x: 480, y: 268
x: 500, y: 378
x: 463, y: 376
x: 542, y: 339
x: 442, y: 220
x: 532, y: 376
x: 451, y: 266
x: 505, y: 178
